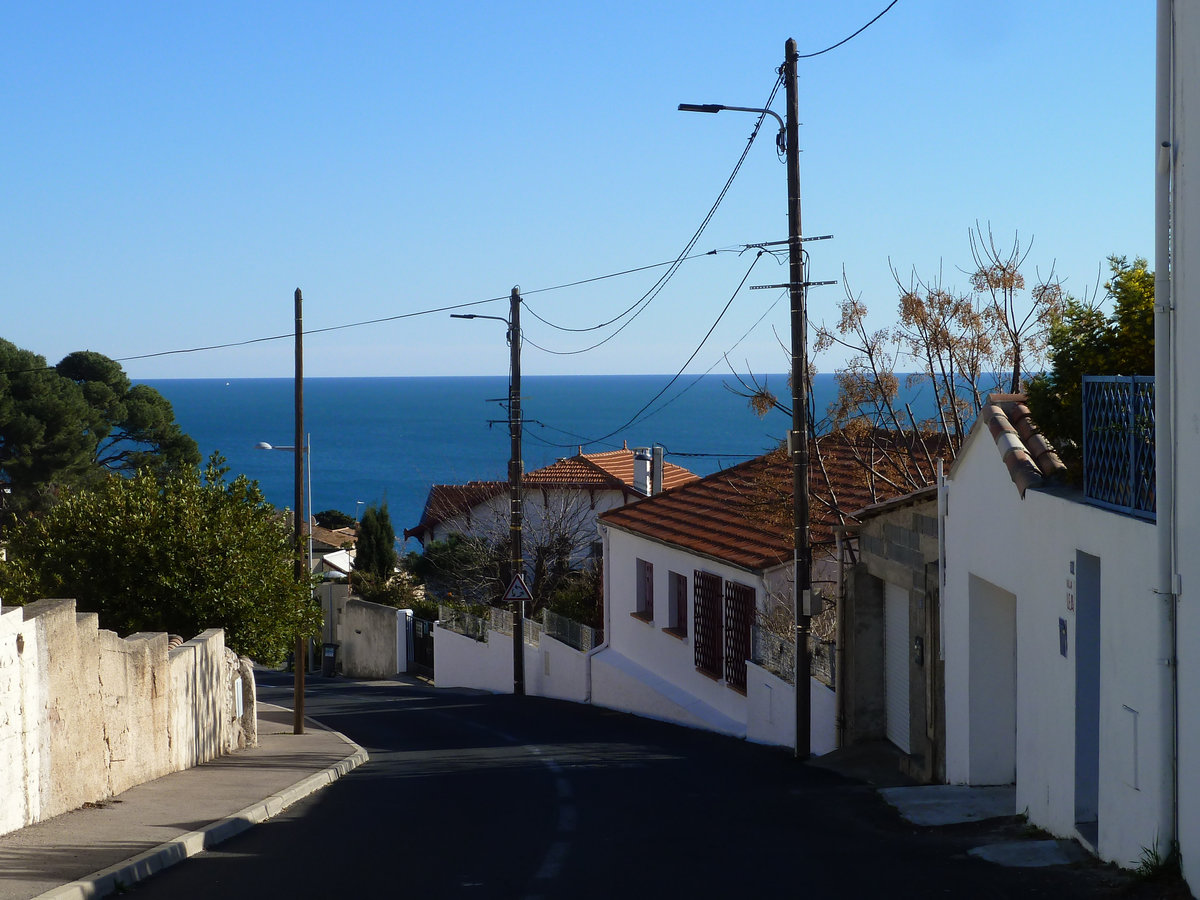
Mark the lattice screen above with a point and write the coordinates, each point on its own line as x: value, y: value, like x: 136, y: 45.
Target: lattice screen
x: 739, y: 617
x: 709, y: 645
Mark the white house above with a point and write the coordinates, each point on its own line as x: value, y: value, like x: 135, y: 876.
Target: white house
x: 1055, y: 644
x: 564, y: 497
x: 693, y: 575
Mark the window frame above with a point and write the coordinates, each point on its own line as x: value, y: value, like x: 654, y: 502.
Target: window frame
x: 643, y: 590
x: 677, y: 604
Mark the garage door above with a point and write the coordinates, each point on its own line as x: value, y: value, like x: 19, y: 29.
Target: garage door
x: 895, y: 636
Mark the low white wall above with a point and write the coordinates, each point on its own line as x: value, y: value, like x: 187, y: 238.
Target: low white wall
x: 85, y: 715
x: 460, y: 661
x: 622, y: 684
x: 554, y: 669
x: 561, y: 671
x: 771, y: 711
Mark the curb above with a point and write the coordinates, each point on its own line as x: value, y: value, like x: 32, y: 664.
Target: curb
x: 150, y: 862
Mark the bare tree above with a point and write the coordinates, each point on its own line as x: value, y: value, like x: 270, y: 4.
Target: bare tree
x: 1023, y: 326
x: 474, y: 564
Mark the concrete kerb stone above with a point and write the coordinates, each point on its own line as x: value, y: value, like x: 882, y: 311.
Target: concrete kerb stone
x: 137, y: 868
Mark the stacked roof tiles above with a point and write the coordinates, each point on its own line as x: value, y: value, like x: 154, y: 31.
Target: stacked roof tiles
x: 1026, y: 452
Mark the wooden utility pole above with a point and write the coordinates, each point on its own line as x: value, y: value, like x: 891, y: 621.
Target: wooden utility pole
x: 798, y: 440
x: 516, y: 472
x: 301, y: 661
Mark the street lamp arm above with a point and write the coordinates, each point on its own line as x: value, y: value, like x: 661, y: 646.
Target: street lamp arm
x: 477, y: 316
x: 717, y: 107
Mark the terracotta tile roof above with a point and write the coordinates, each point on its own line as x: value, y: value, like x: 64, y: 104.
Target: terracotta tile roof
x: 618, y: 464
x: 743, y: 515
x: 611, y: 470
x: 1026, y: 452
x: 332, y: 538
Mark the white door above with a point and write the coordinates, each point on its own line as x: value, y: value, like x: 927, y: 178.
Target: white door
x: 895, y: 639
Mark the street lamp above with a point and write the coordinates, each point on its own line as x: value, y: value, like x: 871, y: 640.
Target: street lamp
x: 788, y: 141
x: 299, y: 516
x: 516, y: 468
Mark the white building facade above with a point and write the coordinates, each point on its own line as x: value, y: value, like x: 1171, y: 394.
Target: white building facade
x: 1056, y: 648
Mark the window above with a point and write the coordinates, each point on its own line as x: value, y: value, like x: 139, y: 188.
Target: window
x: 709, y: 640
x: 645, y: 590
x: 677, y: 587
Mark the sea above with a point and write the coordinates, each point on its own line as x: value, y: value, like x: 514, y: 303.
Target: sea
x: 388, y: 440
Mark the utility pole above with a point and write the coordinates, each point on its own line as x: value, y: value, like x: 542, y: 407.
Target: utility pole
x: 301, y: 661
x: 516, y: 471
x: 798, y: 440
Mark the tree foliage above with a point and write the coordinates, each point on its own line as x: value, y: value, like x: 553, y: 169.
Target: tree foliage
x: 333, y: 519
x: 177, y: 553
x: 1089, y: 341
x: 375, y: 550
x: 65, y: 426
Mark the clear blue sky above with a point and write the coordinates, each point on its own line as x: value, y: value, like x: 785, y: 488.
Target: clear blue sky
x: 173, y: 171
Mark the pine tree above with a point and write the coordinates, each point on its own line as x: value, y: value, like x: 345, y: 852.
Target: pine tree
x: 376, y: 546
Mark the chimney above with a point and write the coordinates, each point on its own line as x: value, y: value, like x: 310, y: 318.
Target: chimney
x: 656, y: 470
x: 641, y: 470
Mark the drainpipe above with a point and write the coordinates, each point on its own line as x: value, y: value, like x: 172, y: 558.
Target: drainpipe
x: 839, y: 646
x: 1164, y: 376
x: 942, y: 509
x: 605, y: 582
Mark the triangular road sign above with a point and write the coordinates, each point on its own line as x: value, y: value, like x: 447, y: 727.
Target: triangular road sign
x: 517, y: 591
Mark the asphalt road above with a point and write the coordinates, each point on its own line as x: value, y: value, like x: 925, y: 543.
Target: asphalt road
x: 481, y: 796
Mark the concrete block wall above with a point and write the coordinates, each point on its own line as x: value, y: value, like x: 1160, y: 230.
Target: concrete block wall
x: 85, y: 714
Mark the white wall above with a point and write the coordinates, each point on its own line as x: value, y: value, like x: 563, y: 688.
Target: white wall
x: 1185, y: 297
x: 552, y: 668
x: 85, y: 714
x: 998, y: 544
x: 648, y: 644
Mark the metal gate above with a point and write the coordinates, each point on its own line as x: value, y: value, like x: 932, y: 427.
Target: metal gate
x: 422, y: 646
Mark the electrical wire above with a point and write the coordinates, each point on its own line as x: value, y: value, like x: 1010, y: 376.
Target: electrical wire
x: 851, y: 37
x: 637, y: 415
x: 424, y: 312
x: 639, y: 305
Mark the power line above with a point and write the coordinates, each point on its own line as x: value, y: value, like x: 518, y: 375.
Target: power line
x: 635, y: 417
x: 639, y: 305
x: 851, y: 37
x: 424, y: 312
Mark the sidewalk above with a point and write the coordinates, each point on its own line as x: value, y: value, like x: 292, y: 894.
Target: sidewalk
x: 93, y: 851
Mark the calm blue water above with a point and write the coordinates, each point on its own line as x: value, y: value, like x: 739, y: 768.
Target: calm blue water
x: 376, y: 438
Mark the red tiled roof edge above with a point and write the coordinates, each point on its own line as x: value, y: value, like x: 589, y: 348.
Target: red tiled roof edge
x: 1026, y: 452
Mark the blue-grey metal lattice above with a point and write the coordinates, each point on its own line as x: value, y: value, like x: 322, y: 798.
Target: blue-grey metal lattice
x: 1118, y: 443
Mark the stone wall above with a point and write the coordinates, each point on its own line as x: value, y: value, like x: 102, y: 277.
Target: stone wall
x: 85, y: 714
x: 898, y: 545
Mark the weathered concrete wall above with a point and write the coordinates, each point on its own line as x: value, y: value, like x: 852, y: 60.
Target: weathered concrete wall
x: 368, y: 647
x: 898, y: 546
x: 85, y: 715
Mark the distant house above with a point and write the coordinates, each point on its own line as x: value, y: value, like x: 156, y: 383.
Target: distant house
x: 565, y: 496
x: 698, y: 585
x: 332, y: 550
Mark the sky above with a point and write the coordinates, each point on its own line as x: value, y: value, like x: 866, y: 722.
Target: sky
x: 174, y: 171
